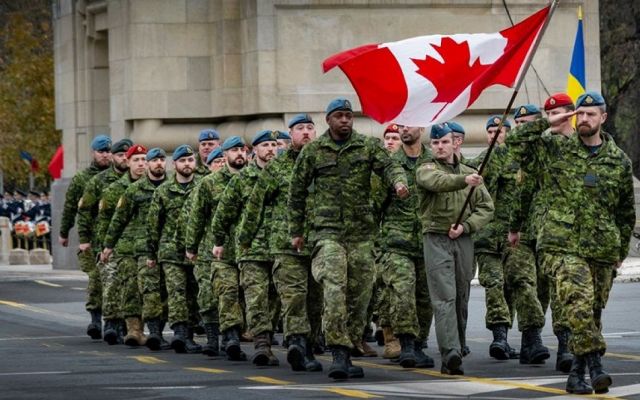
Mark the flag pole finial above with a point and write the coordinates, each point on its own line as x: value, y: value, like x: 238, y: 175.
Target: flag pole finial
x: 579, y: 12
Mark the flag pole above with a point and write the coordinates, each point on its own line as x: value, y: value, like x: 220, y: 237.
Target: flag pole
x: 527, y: 64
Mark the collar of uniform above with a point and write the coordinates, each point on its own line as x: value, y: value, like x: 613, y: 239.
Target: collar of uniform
x: 403, y: 158
x: 177, y: 186
x: 353, y: 140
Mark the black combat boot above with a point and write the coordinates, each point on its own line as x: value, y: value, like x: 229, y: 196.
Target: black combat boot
x: 354, y: 371
x: 310, y: 362
x: 576, y: 383
x: 231, y: 340
x: 452, y: 363
x: 262, y: 345
x: 422, y: 360
x: 407, y: 351
x: 191, y: 346
x: 499, y: 348
x: 296, y: 352
x: 212, y: 348
x: 154, y: 340
x: 110, y: 331
x: 164, y: 345
x: 339, y: 367
x: 121, y: 328
x: 600, y: 380
x: 94, y: 329
x: 179, y: 341
x: 532, y: 350
x: 564, y: 359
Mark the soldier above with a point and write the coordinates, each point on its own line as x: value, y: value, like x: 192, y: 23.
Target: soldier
x: 215, y: 160
x: 559, y: 103
x: 526, y: 113
x: 113, y: 270
x: 402, y: 262
x: 587, y: 227
x: 391, y: 137
x: 299, y: 293
x: 100, y: 147
x: 284, y: 142
x: 163, y: 219
x: 199, y: 242
x: 208, y: 140
x: 90, y: 237
x: 443, y: 185
x: 255, y: 262
x: 143, y: 287
x: 339, y: 166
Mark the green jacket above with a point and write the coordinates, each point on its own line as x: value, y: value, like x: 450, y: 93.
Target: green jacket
x: 90, y: 202
x: 341, y: 175
x: 162, y: 221
x: 127, y: 232
x: 442, y: 194
x: 73, y: 196
x: 401, y: 230
x: 108, y: 203
x: 590, y: 207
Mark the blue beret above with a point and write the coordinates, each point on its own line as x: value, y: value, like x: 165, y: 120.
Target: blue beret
x: 456, y: 127
x: 300, y: 119
x: 232, y: 141
x: 440, y: 130
x: 264, y: 135
x: 121, y: 146
x: 339, y: 104
x: 283, y: 135
x: 156, y: 152
x: 494, y: 120
x: 182, y: 151
x: 217, y: 153
x: 101, y: 143
x: 589, y: 99
x: 208, y: 134
x: 526, y: 110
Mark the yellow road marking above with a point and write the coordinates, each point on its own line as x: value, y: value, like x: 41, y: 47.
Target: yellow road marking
x: 45, y: 283
x: 40, y: 310
x: 266, y: 379
x: 623, y: 356
x: 148, y: 359
x: 209, y: 370
x: 358, y: 394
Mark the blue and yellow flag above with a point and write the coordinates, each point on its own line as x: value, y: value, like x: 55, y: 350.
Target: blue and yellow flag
x: 576, y: 81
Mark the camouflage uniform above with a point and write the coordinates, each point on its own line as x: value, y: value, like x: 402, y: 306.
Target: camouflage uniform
x: 143, y: 291
x: 404, y: 272
x: 343, y: 225
x: 86, y: 259
x: 587, y: 226
x: 165, y: 215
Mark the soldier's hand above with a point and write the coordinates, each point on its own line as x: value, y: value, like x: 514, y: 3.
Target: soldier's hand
x: 297, y: 243
x: 455, y: 233
x: 473, y: 180
x: 401, y: 190
x: 218, y: 252
x: 617, y: 265
x: 514, y: 238
x: 191, y: 256
x: 558, y: 119
x: 106, y: 254
x: 151, y: 263
x: 64, y: 242
x: 84, y: 246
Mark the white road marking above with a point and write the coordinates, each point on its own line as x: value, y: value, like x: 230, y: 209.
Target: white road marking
x: 45, y: 283
x: 34, y: 373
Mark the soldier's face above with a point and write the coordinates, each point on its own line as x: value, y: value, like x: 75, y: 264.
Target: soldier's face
x: 236, y: 157
x: 283, y: 144
x: 458, y: 139
x: 137, y: 164
x: 392, y: 141
x: 102, y: 158
x: 589, y: 120
x: 216, y: 164
x: 206, y: 147
x: 443, y: 148
x: 492, y: 131
x: 526, y: 118
x: 410, y: 134
x: 340, y: 122
x: 120, y: 161
x: 185, y: 166
x: 302, y: 134
x: 265, y: 151
x: 157, y: 167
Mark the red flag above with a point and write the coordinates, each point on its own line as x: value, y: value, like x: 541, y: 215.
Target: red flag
x: 56, y: 163
x: 430, y: 79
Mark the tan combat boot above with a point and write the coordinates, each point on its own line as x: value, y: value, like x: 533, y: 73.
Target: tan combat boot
x: 391, y: 344
x: 135, y: 335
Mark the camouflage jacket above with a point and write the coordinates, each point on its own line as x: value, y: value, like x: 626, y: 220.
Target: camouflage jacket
x: 590, y: 210
x: 442, y: 193
x: 127, y: 232
x: 163, y: 218
x: 73, y: 195
x: 401, y: 230
x: 199, y: 232
x: 229, y: 212
x: 341, y: 175
x: 108, y: 202
x: 202, y: 170
x: 90, y: 202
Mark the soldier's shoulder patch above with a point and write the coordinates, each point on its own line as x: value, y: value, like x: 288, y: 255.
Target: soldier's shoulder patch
x: 120, y: 202
x: 101, y: 204
x: 429, y: 165
x: 519, y: 176
x: 80, y: 202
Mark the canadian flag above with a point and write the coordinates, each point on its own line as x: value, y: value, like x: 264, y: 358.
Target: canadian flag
x: 430, y: 79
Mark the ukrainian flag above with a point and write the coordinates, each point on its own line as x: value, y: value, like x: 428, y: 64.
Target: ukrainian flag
x: 576, y: 81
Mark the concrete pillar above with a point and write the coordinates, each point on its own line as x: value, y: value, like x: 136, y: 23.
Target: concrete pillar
x: 63, y: 257
x: 39, y: 257
x: 19, y: 257
x: 5, y: 240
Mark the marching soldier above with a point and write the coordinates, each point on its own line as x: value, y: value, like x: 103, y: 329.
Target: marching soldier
x: 208, y: 141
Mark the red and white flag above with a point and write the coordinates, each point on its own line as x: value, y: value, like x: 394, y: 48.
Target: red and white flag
x: 430, y: 79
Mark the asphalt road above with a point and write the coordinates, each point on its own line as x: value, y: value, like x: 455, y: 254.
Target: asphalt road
x: 44, y: 354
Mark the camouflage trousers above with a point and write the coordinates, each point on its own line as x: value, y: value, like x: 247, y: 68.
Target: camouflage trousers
x: 131, y: 292
x: 225, y: 287
x: 491, y: 276
x: 521, y: 278
x: 399, y: 275
x: 87, y: 261
x: 182, y: 291
x: 300, y: 295
x: 345, y: 272
x: 153, y: 290
x: 450, y: 269
x: 583, y: 289
x: 111, y: 288
x: 256, y: 278
x: 546, y: 263
x: 379, y: 303
x: 207, y: 301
